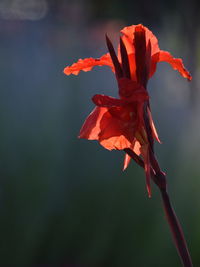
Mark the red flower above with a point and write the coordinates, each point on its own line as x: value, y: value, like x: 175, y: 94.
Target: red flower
x: 127, y: 122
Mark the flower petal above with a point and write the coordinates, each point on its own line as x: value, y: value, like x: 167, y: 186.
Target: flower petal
x: 153, y: 128
x: 91, y: 127
x: 87, y: 64
x: 127, y: 160
x: 128, y: 38
x: 115, y: 142
x: 129, y: 33
x: 111, y: 129
x: 117, y: 129
x: 136, y: 149
x: 107, y: 101
x: 176, y: 63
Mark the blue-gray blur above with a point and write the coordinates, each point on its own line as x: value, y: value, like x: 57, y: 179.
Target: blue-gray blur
x: 65, y: 201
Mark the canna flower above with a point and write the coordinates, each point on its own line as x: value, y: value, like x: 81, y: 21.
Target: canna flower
x: 126, y: 122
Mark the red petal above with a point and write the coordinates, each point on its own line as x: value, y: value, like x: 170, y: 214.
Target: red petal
x: 119, y: 142
x: 129, y: 38
x: 117, y: 129
x: 153, y: 128
x: 91, y: 127
x: 176, y: 63
x: 107, y: 101
x: 136, y: 148
x: 127, y: 160
x: 129, y: 33
x: 110, y: 130
x: 87, y: 64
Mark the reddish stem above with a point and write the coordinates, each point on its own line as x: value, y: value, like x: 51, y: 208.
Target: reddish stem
x: 176, y: 230
x: 159, y: 179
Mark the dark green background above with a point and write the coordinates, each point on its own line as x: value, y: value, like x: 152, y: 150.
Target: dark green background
x: 67, y: 202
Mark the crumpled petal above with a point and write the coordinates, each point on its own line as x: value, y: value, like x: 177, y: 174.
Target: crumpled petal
x: 107, y: 101
x: 132, y: 91
x: 176, y: 63
x: 87, y: 64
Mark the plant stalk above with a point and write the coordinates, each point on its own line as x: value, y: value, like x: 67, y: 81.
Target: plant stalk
x: 159, y: 179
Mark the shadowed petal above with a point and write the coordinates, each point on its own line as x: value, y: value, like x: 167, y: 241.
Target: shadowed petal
x: 87, y: 64
x: 132, y: 91
x: 125, y: 60
x: 118, y: 69
x: 147, y: 166
x: 107, y: 101
x: 140, y: 55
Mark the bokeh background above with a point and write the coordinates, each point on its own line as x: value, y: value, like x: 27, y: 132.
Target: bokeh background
x: 65, y: 201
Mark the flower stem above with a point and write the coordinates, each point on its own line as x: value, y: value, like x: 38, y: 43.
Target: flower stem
x: 159, y: 179
x: 176, y: 230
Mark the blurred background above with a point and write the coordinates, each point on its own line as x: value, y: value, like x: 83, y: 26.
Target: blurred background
x: 67, y: 202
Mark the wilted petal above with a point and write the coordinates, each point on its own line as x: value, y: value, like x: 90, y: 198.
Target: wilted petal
x: 87, y: 64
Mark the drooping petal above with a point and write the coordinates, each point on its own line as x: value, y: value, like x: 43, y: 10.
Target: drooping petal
x: 136, y: 148
x: 176, y: 63
x: 107, y: 101
x: 127, y: 160
x: 87, y: 64
x: 91, y: 127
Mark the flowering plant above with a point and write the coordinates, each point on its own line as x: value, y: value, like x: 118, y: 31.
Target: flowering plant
x: 126, y: 123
